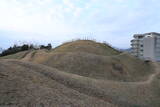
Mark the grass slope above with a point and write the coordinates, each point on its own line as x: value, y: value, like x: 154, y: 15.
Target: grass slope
x: 18, y: 55
x: 101, y: 67
x: 87, y: 46
x: 79, y: 73
x: 51, y: 86
x: 26, y: 85
x: 94, y: 60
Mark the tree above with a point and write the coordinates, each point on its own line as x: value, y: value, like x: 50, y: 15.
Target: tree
x: 42, y: 47
x: 31, y: 46
x: 25, y: 47
x: 49, y: 47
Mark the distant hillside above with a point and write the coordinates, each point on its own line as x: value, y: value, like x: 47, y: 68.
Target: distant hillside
x: 126, y: 50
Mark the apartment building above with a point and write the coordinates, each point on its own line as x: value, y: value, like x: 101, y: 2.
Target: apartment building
x: 146, y: 46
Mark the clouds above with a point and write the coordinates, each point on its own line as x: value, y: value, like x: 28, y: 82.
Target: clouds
x: 40, y: 16
x: 65, y: 19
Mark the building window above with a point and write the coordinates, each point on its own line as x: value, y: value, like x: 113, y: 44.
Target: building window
x: 141, y: 50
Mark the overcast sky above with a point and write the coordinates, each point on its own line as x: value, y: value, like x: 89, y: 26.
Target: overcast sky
x: 56, y: 21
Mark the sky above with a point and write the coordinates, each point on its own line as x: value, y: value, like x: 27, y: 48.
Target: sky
x: 58, y: 21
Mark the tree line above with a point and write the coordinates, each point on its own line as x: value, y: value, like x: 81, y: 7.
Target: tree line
x: 15, y: 48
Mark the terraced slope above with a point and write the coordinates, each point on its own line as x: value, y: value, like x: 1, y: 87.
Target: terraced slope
x: 78, y: 74
x: 94, y: 60
x: 29, y: 84
x: 100, y: 67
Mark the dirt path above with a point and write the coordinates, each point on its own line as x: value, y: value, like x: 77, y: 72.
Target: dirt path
x: 157, y: 71
x: 151, y: 77
x: 29, y: 56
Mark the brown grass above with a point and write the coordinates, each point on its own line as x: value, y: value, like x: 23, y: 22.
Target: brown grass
x: 79, y: 58
x: 123, y: 94
x: 88, y: 47
x: 21, y: 85
x: 80, y: 73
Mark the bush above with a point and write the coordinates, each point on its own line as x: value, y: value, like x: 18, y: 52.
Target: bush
x: 49, y: 47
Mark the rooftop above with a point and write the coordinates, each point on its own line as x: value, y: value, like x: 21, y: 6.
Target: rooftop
x: 150, y: 33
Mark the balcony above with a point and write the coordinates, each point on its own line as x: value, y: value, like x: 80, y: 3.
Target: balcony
x: 135, y: 43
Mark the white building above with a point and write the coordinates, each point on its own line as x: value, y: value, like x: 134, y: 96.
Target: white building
x: 146, y: 46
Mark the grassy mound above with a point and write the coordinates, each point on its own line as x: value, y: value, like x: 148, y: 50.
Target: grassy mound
x: 25, y: 83
x: 87, y: 46
x: 80, y: 73
x: 94, y: 60
x: 101, y: 67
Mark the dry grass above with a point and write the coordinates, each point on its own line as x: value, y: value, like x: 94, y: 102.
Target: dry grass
x: 123, y: 94
x: 92, y: 59
x: 99, y: 67
x: 19, y: 55
x: 80, y: 73
x: 25, y: 85
x: 88, y: 47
